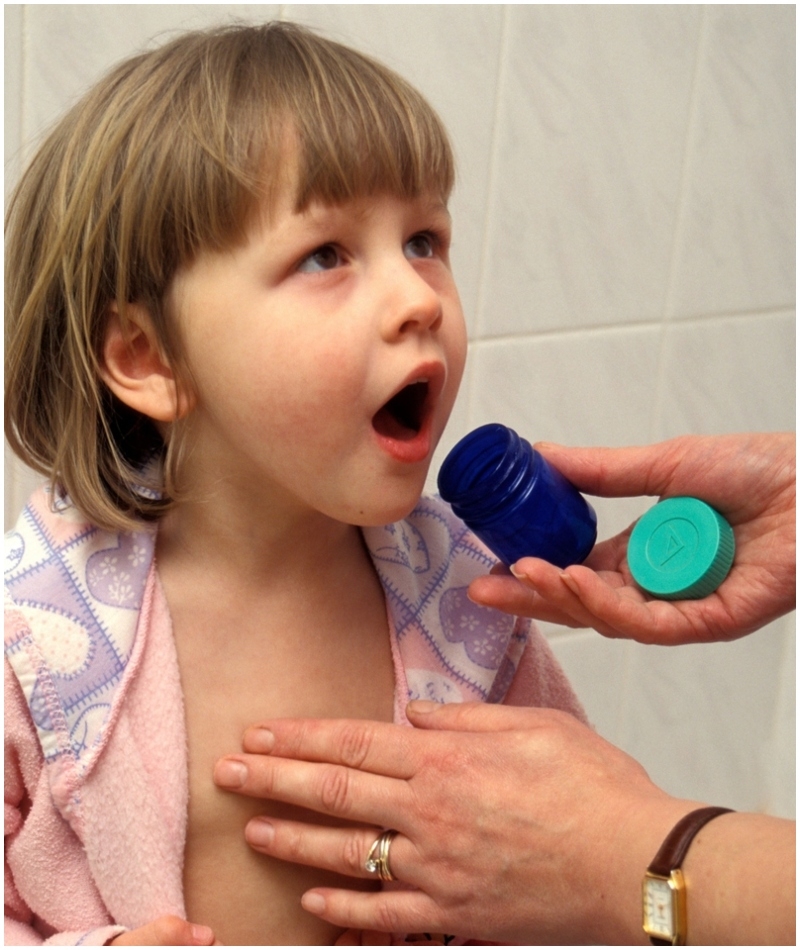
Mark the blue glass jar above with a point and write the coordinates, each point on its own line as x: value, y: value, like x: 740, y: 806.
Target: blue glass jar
x: 514, y: 500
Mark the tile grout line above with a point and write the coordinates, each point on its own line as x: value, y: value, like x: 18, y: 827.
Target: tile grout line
x: 680, y: 218
x: 23, y: 86
x: 490, y: 194
x: 787, y: 648
x: 628, y: 671
x: 608, y: 328
x: 13, y: 494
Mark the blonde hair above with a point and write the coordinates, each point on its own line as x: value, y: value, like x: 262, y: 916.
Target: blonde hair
x: 170, y: 155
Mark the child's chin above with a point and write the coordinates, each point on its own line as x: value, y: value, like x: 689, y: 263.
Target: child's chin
x: 389, y: 514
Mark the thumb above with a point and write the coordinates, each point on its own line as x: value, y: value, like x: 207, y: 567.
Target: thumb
x: 167, y: 931
x: 472, y: 717
x: 614, y: 473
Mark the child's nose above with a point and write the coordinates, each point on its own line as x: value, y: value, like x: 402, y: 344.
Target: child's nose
x: 413, y: 305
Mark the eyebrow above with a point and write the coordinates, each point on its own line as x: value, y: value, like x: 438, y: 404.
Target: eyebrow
x: 445, y: 214
x: 437, y: 206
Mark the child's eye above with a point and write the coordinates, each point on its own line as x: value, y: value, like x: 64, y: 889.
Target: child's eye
x: 323, y: 258
x: 421, y: 245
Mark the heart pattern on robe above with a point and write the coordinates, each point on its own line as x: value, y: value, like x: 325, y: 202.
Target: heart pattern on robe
x: 425, y: 564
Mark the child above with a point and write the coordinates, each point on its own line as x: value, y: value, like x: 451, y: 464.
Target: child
x: 233, y: 343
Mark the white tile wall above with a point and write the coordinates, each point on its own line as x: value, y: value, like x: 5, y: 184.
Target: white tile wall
x: 727, y: 374
x: 735, y: 247
x: 590, y: 140
x: 624, y: 245
x: 12, y: 99
x: 683, y: 712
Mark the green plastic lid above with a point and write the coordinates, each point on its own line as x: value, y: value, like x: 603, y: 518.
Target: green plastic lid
x: 681, y: 549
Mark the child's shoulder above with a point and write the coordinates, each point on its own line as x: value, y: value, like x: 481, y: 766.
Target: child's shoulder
x: 73, y: 595
x: 57, y: 560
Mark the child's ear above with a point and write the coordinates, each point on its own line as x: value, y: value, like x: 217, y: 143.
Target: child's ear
x: 135, y: 369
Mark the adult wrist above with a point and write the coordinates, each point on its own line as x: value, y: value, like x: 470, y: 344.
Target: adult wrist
x: 665, y: 897
x: 643, y: 826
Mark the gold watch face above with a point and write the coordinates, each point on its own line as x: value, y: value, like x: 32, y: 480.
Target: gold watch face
x: 659, y: 908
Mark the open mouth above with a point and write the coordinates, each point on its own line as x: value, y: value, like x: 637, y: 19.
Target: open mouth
x: 403, y: 415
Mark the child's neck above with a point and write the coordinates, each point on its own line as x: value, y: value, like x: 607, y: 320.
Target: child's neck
x: 256, y: 542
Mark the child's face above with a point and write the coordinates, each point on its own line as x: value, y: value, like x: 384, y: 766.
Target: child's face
x: 298, y: 340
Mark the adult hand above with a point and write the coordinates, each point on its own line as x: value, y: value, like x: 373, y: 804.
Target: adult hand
x: 167, y: 931
x: 750, y: 479
x: 529, y: 826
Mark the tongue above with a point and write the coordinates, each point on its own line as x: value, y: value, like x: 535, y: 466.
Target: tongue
x: 401, y: 417
x: 386, y: 424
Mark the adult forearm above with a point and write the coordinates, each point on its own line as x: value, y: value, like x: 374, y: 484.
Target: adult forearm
x: 740, y: 880
x: 739, y: 874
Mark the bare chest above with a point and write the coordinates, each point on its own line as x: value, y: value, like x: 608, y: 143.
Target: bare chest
x: 251, y: 669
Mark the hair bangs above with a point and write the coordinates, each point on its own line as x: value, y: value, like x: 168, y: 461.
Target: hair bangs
x: 346, y: 154
x: 361, y: 129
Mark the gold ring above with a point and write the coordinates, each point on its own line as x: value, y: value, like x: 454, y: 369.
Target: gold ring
x: 378, y: 857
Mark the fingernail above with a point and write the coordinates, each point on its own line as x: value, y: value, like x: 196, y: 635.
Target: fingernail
x: 312, y: 902
x: 421, y: 707
x: 201, y: 936
x: 230, y: 773
x: 260, y: 832
x: 519, y: 574
x: 259, y: 740
x: 569, y: 580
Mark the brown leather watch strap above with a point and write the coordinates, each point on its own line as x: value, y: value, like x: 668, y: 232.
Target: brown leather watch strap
x: 672, y: 852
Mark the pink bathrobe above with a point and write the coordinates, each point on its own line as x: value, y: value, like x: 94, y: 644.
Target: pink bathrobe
x: 96, y: 776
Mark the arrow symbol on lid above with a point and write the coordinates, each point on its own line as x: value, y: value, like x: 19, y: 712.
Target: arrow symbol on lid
x: 674, y: 545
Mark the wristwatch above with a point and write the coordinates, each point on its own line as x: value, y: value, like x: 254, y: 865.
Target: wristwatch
x: 663, y: 887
